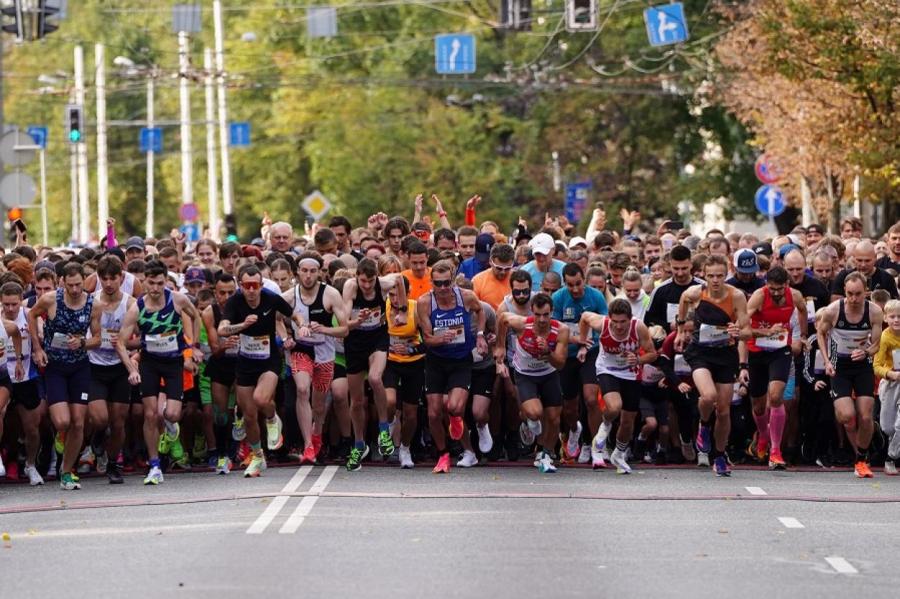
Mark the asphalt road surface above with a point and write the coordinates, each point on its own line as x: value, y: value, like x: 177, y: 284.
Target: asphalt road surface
x: 500, y: 531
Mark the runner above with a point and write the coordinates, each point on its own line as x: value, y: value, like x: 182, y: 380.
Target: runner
x: 444, y: 316
x: 481, y: 391
x: 624, y: 346
x: 517, y: 302
x: 540, y: 350
x: 13, y: 382
x: 887, y: 368
x: 849, y: 335
x: 720, y: 321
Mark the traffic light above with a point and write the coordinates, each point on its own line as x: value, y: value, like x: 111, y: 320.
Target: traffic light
x: 515, y: 14
x: 30, y: 19
x: 581, y: 15
x: 75, y: 123
x: 230, y: 228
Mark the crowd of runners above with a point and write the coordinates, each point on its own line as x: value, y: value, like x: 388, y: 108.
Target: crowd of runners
x: 413, y: 341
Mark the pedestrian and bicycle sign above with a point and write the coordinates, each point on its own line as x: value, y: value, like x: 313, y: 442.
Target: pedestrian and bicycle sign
x: 39, y: 135
x: 454, y: 54
x: 666, y: 24
x: 770, y: 201
x: 151, y: 140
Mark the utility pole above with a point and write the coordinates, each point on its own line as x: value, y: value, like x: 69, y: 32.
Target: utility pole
x: 227, y: 203
x: 84, y: 214
x: 151, y: 90
x: 187, y: 168
x: 102, y: 170
x: 73, y: 173
x: 211, y: 170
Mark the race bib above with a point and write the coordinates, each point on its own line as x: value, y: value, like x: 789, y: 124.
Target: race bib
x: 846, y: 343
x: 810, y: 310
x: 819, y: 363
x: 617, y: 362
x: 459, y: 334
x: 232, y: 351
x: 681, y: 366
x: 671, y: 312
x: 313, y: 339
x: 771, y: 342
x: 256, y: 348
x: 403, y: 346
x: 373, y: 321
x: 896, y: 357
x: 59, y: 341
x: 164, y: 343
x: 713, y: 336
x: 205, y: 351
x: 106, y: 336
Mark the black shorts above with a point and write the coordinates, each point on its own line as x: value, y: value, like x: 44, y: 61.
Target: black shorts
x: 443, y: 374
x: 483, y: 381
x: 358, y: 357
x: 192, y: 395
x: 26, y: 394
x: 340, y: 372
x: 722, y: 362
x: 575, y: 375
x: 653, y: 403
x: 110, y: 383
x: 629, y: 391
x: 766, y: 366
x: 545, y: 387
x: 859, y: 380
x: 162, y: 375
x: 249, y: 371
x: 6, y: 382
x: 222, y: 370
x: 68, y: 382
x: 408, y: 378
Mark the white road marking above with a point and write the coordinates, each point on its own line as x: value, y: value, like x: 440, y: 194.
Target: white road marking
x: 841, y: 565
x: 278, y: 502
x: 791, y: 523
x: 307, y: 503
x: 755, y: 491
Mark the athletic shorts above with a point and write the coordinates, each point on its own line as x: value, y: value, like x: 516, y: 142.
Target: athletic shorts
x: 26, y: 394
x: 408, y: 378
x: 340, y: 371
x: 358, y: 358
x: 722, y: 362
x: 6, y: 382
x: 162, y: 375
x: 858, y: 381
x: 483, y: 381
x: 222, y: 370
x: 766, y: 366
x: 545, y: 387
x: 249, y: 371
x: 443, y: 374
x: 575, y: 375
x: 629, y: 391
x: 653, y: 403
x: 322, y: 373
x: 68, y: 382
x: 110, y: 383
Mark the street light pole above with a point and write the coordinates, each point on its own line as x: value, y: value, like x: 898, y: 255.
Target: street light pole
x: 84, y: 215
x: 187, y: 172
x: 211, y: 170
x: 227, y: 203
x: 151, y: 90
x: 102, y: 170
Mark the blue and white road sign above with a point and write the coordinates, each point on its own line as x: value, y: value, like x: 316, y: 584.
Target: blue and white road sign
x: 191, y: 231
x: 770, y: 201
x: 239, y: 134
x: 39, y: 135
x: 151, y: 140
x: 454, y: 54
x: 576, y: 199
x: 666, y: 24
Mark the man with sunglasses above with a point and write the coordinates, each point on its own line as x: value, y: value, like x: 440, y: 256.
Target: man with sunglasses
x: 518, y: 302
x: 492, y: 285
x: 254, y: 314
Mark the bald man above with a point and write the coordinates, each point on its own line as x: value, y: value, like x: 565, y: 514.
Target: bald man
x: 864, y: 261
x: 281, y: 237
x: 814, y: 291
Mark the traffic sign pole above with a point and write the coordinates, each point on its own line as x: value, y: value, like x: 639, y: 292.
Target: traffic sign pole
x: 151, y: 90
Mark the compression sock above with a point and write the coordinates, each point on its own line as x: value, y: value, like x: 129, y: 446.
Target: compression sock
x: 384, y: 427
x: 154, y: 462
x: 360, y: 445
x: 762, y: 425
x: 777, y: 418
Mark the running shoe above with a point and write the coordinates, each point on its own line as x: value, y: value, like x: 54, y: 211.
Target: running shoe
x: 468, y: 459
x: 102, y: 462
x: 256, y: 467
x: 243, y: 453
x: 51, y: 469
x: 385, y: 444
x: 704, y: 445
x: 114, y: 474
x: 183, y: 464
x: 862, y: 470
x: 34, y: 477
x: 317, y: 443
x: 176, y: 451
x: 526, y: 435
x: 309, y: 455
x: 456, y: 428
x: 295, y: 453
x: 354, y: 462
x: 2, y: 467
x: 598, y: 456
x: 687, y: 452
x: 573, y: 442
x: 776, y: 462
x: 890, y: 468
x: 199, y: 450
x: 584, y: 455
x: 703, y: 459
x: 223, y: 465
x: 86, y: 461
x: 617, y: 459
x: 273, y: 433
x: 758, y: 448
x: 720, y: 466
x: 238, y: 432
x: 12, y: 471
x: 165, y: 444
x: 59, y: 442
x: 544, y: 463
x: 405, y: 458
x: 485, y: 441
x: 154, y: 477
x: 443, y: 464
x: 68, y: 482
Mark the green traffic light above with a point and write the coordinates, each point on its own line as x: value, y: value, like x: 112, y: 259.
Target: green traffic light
x: 74, y: 136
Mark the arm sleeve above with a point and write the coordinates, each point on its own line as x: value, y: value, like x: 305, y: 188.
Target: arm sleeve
x: 111, y: 237
x: 470, y: 217
x: 230, y: 312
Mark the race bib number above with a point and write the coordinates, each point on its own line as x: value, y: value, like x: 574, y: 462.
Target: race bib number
x: 617, y: 362
x: 403, y: 346
x: 819, y: 363
x: 771, y: 342
x: 810, y: 310
x: 896, y: 357
x: 681, y: 366
x: 59, y: 341
x: 713, y: 335
x: 232, y: 351
x: 313, y: 339
x: 373, y: 321
x: 106, y: 337
x: 671, y: 312
x: 164, y: 343
x: 846, y: 344
x: 459, y: 334
x: 256, y: 348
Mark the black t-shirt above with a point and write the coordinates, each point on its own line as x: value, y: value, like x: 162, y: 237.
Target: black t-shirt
x: 814, y: 289
x: 237, y: 311
x: 748, y: 287
x: 885, y: 263
x: 664, y: 303
x: 879, y: 280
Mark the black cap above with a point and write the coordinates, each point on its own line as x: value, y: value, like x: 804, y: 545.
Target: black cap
x: 764, y: 248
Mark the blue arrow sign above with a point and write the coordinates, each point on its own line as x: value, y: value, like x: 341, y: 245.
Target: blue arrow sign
x: 239, y: 134
x: 191, y: 231
x: 666, y: 24
x: 770, y: 201
x: 151, y: 140
x: 454, y: 54
x: 39, y: 135
x: 576, y: 199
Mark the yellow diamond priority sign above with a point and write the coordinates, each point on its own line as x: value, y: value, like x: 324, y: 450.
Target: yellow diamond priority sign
x: 316, y: 204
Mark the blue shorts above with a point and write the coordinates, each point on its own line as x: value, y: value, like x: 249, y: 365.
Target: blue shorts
x: 68, y: 382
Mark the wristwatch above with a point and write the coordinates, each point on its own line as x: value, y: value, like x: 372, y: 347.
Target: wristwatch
x: 402, y: 308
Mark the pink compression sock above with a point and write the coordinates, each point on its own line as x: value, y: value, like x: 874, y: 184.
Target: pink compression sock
x: 777, y: 418
x: 762, y: 425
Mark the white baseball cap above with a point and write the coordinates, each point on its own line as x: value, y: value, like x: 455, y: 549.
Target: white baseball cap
x: 542, y: 243
x: 577, y: 241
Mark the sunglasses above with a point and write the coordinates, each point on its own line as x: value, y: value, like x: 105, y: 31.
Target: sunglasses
x: 250, y: 286
x: 521, y: 292
x: 502, y: 268
x: 441, y: 283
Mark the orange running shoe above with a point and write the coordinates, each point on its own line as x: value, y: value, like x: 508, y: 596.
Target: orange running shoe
x: 776, y: 462
x: 443, y: 464
x: 309, y: 455
x: 862, y: 470
x: 456, y: 428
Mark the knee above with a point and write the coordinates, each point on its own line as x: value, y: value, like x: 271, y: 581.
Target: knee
x: 435, y: 411
x: 723, y: 412
x: 76, y: 426
x: 865, y: 419
x: 533, y: 412
x: 172, y: 415
x: 375, y: 382
x: 650, y: 424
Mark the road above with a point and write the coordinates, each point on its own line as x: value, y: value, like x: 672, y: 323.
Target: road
x: 486, y: 532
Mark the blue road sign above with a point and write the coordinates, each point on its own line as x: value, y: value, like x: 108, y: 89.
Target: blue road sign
x: 576, y: 199
x: 770, y: 201
x: 666, y: 24
x: 239, y: 134
x: 39, y: 135
x: 192, y: 231
x: 454, y: 54
x: 151, y: 140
